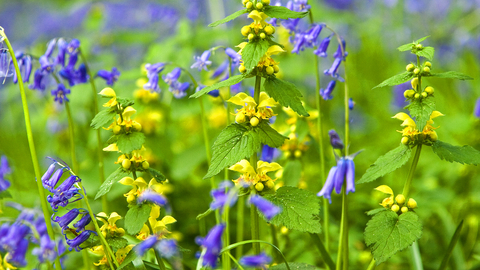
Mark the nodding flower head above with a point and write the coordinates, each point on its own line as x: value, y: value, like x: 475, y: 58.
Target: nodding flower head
x: 322, y: 48
x: 145, y: 245
x: 66, y: 219
x: 335, y: 140
x: 153, y: 197
x: 201, y: 62
x: 256, y: 261
x: 152, y: 73
x: 4, y: 169
x: 77, y: 241
x: 221, y: 197
x: 213, y: 245
x: 268, y: 209
x: 46, y: 251
x: 327, y: 93
x: 109, y: 76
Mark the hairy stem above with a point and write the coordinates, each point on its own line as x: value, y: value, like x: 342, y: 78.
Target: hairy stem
x: 406, y: 188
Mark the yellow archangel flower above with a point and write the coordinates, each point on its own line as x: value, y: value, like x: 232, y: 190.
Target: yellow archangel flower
x: 159, y: 226
x: 258, y: 20
x: 109, y: 92
x: 120, y: 255
x: 410, y: 129
x: 250, y: 107
x: 139, y: 185
x: 252, y: 177
x: 387, y: 202
x: 4, y: 265
x: 266, y: 59
x: 109, y: 226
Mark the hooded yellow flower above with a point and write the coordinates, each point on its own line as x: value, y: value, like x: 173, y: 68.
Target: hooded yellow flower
x: 109, y: 226
x: 109, y: 92
x: 139, y: 185
x: 410, y: 129
x: 159, y: 226
x: 387, y: 202
x: 250, y: 107
x: 252, y: 177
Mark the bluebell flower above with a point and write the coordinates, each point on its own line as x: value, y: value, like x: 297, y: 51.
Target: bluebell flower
x: 333, y: 70
x: 4, y: 169
x: 46, y: 251
x: 201, y: 62
x: 221, y: 196
x: 153, y: 197
x: 322, y: 48
x: 49, y: 181
x: 256, y: 261
x: 16, y: 232
x: 62, y: 50
x: 39, y: 80
x: 66, y: 185
x: 167, y: 248
x: 268, y: 209
x: 60, y: 93
x: 40, y: 225
x: 64, y: 198
x: 25, y: 65
x: 221, y: 69
x: 327, y: 93
x: 45, y: 64
x: 109, y: 76
x: 172, y: 77
x: 351, y: 103
x: 50, y: 47
x: 74, y: 76
x: 77, y: 241
x: 269, y: 154
x: 476, y: 111
x: 335, y: 140
x: 338, y: 53
x: 236, y: 58
x: 17, y: 257
x: 73, y: 46
x: 214, y: 93
x: 145, y: 245
x: 213, y: 245
x: 340, y: 4
x: 152, y: 73
x: 66, y: 219
x: 6, y: 69
x: 84, y: 221
x: 312, y: 34
x: 298, y: 43
x: 178, y: 89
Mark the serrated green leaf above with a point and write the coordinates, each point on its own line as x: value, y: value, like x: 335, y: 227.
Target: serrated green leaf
x: 102, y: 118
x: 451, y: 75
x: 283, y: 13
x: 387, y: 163
x: 375, y: 211
x: 285, y: 93
x: 5, y: 194
x: 292, y: 172
x: 405, y: 47
x: 396, y: 80
x: 228, y: 18
x: 234, y: 143
x: 421, y: 109
x: 461, y: 154
x: 137, y: 216
x: 131, y: 256
x: 421, y: 39
x: 300, y: 209
x: 253, y: 52
x: 157, y: 175
x: 230, y: 81
x: 268, y: 135
x: 387, y: 233
x: 426, y: 52
x: 125, y: 102
x: 112, y: 139
x: 294, y: 266
x: 116, y: 176
x: 117, y: 242
x: 128, y: 142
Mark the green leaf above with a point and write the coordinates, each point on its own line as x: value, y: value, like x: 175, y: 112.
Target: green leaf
x: 137, y: 216
x: 292, y: 172
x: 102, y: 118
x: 461, y: 154
x: 406, y: 47
x: 268, y: 135
x: 131, y: 256
x: 300, y: 209
x: 230, y: 81
x: 426, y: 52
x: 128, y: 142
x: 421, y: 39
x: 253, y: 52
x: 387, y: 233
x: 116, y: 176
x: 283, y: 13
x: 5, y: 194
x: 421, y: 109
x: 285, y: 93
x: 451, y: 75
x: 125, y: 102
x: 228, y: 18
x: 397, y: 79
x: 157, y: 175
x: 294, y: 266
x: 112, y: 139
x: 375, y: 211
x: 233, y: 144
x: 150, y: 266
x: 117, y: 242
x: 387, y: 163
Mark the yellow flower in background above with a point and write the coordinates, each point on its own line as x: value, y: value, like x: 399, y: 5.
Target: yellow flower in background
x: 120, y: 255
x: 109, y: 92
x: 144, y: 95
x: 4, y: 265
x: 111, y: 148
x: 109, y: 226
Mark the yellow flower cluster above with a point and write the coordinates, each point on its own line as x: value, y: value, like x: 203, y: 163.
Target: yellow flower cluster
x: 145, y: 96
x: 257, y: 178
x: 399, y: 203
x: 410, y: 133
x: 124, y: 121
x: 251, y: 111
x: 120, y: 255
x: 139, y: 185
x: 159, y: 227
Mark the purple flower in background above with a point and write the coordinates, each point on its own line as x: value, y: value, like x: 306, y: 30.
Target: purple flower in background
x: 4, y: 169
x: 268, y: 209
x: 351, y: 103
x: 322, y: 48
x: 221, y: 69
x: 298, y: 43
x: 339, y: 4
x: 167, y: 248
x: 46, y: 251
x: 312, y: 35
x: 77, y: 241
x: 213, y: 245
x: 476, y: 111
x: 60, y: 93
x: 221, y: 196
x: 172, y: 77
x: 39, y: 81
x: 109, y: 77
x: 6, y: 68
x: 201, y: 62
x: 333, y: 70
x: 73, y: 46
x: 145, y: 245
x: 62, y: 50
x: 178, y: 89
x: 398, y: 99
x: 24, y: 64
x: 234, y: 56
x: 269, y: 153
x: 335, y: 140
x: 17, y: 257
x: 256, y: 261
x: 152, y: 73
x: 327, y: 93
x: 153, y: 197
x: 338, y: 53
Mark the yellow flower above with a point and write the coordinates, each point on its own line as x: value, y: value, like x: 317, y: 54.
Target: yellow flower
x: 4, y: 265
x: 258, y: 18
x: 250, y: 108
x: 410, y: 129
x: 267, y: 59
x: 109, y: 92
x: 112, y: 147
x: 159, y: 226
x: 109, y: 226
x: 252, y: 177
x: 144, y: 95
x: 139, y: 185
x: 387, y: 202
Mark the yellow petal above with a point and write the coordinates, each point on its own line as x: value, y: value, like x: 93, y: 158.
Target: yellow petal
x: 113, y: 218
x: 264, y: 167
x: 108, y: 92
x: 409, y: 123
x: 266, y: 101
x: 127, y: 181
x: 273, y: 50
x: 111, y: 148
x: 241, y: 99
x: 140, y: 182
x: 402, y: 116
x: 435, y: 114
x: 241, y: 46
x: 128, y: 112
x: 385, y: 189
x: 168, y: 220
x: 155, y: 212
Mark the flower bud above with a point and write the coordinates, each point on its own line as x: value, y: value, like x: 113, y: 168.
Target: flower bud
x: 259, y: 186
x: 429, y: 90
x: 426, y: 69
x: 131, y: 198
x: 269, y: 184
x: 417, y: 96
x: 419, y: 46
x: 242, y: 68
x: 245, y: 1
x: 297, y: 153
x: 410, y: 67
x: 395, y: 208
x: 433, y: 136
x: 387, y: 202
x: 249, y: 5
x: 409, y: 93
x: 400, y: 199
x: 276, y: 68
x: 269, y: 30
x: 416, y: 71
x: 254, y: 121
x: 284, y: 230
x: 414, y: 83
x: 137, y: 126
x: 405, y: 140
x: 266, y: 2
x: 126, y: 163
x: 428, y: 64
x: 251, y: 36
x: 424, y: 94
x: 145, y: 165
x: 404, y: 209
x: 270, y: 70
x: 246, y: 30
x: 240, y: 118
x: 263, y: 36
x: 117, y: 129
x: 287, y: 154
x: 412, y: 203
x: 259, y: 6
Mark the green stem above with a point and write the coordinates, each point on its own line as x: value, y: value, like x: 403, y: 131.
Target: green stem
x: 226, y: 234
x: 416, y: 257
x: 452, y: 244
x: 235, y: 261
x: 160, y: 262
x: 240, y: 226
x: 406, y: 188
x: 321, y: 145
x: 323, y: 251
x: 342, y: 244
x: 72, y: 138
x: 31, y: 145
x: 371, y: 266
x: 101, y: 166
x: 228, y: 107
